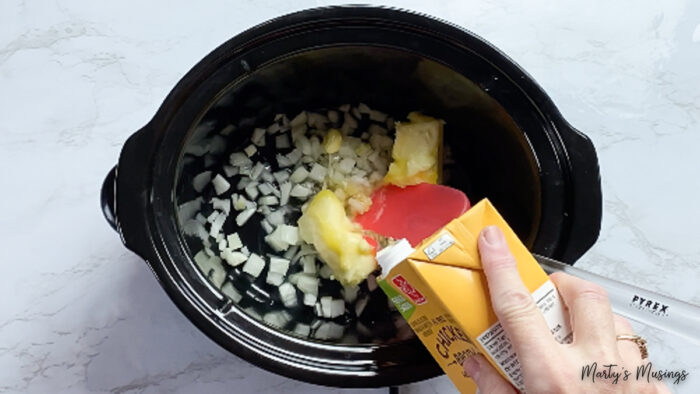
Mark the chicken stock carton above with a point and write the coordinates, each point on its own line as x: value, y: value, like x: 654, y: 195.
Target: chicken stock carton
x: 440, y: 290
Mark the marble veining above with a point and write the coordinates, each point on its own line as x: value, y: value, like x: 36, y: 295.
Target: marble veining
x: 79, y: 313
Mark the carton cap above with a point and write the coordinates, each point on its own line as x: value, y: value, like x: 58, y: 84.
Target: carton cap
x: 390, y: 256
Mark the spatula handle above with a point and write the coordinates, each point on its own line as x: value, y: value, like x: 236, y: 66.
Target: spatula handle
x: 645, y: 306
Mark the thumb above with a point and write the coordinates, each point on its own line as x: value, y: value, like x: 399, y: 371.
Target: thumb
x: 486, y: 377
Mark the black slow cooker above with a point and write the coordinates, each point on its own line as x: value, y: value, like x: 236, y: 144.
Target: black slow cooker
x: 508, y: 142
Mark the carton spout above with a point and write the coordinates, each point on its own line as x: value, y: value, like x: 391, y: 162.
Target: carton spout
x: 392, y: 255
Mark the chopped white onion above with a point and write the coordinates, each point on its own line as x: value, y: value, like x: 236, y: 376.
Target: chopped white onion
x: 252, y: 190
x: 273, y: 128
x: 201, y: 180
x: 363, y: 108
x: 299, y: 175
x: 307, y: 284
x: 276, y: 218
x: 267, y: 176
x: 258, y: 137
x: 234, y: 241
x: 220, y: 183
x: 309, y: 264
x: 223, y: 205
x: 288, y: 295
x: 279, y: 265
x: 300, y: 191
x: 318, y: 173
x: 277, y: 318
x: 268, y: 200
x: 256, y: 171
x: 254, y: 265
x: 196, y: 229
x: 285, y: 190
x: 294, y: 156
x: 274, y: 278
x: 346, y: 165
x: 299, y: 119
x: 250, y: 150
x: 329, y: 330
x: 325, y: 272
x: 239, y: 202
x: 200, y: 218
x: 266, y: 226
x: 283, y: 161
x: 243, y: 217
x: 217, y: 225
x: 231, y: 292
x: 242, y: 183
x: 239, y: 159
x: 289, y: 234
x: 211, y: 268
x: 212, y: 216
x: 234, y: 259
x: 289, y: 254
x: 310, y: 299
x: 302, y: 330
x: 281, y: 176
x: 230, y: 171
x: 188, y: 209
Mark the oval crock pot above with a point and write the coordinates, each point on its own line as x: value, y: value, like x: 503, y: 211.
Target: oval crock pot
x: 508, y: 143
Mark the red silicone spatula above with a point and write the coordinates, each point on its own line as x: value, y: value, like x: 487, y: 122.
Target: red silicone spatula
x: 414, y: 212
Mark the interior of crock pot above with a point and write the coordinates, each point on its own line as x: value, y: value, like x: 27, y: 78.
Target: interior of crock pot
x: 488, y: 154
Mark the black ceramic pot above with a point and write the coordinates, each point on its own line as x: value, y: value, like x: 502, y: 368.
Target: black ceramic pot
x: 508, y: 142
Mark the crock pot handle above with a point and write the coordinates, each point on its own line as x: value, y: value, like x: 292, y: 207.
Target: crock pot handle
x: 107, y: 198
x: 586, y: 210
x: 125, y: 193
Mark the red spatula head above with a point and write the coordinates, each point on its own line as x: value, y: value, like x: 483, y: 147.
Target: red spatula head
x: 414, y: 212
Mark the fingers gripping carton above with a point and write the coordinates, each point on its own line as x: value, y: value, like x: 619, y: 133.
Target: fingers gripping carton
x: 440, y: 289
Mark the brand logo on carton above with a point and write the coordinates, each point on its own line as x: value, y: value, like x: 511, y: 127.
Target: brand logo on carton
x: 409, y: 290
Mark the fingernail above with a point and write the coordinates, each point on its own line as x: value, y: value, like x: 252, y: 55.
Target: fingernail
x: 471, y: 367
x: 493, y: 236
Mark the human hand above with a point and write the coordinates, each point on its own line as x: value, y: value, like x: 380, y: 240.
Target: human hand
x: 548, y: 366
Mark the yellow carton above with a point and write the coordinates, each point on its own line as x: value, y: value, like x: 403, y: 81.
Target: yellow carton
x: 440, y: 289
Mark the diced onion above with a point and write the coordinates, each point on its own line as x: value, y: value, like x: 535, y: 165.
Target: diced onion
x: 231, y: 292
x: 254, y: 265
x: 250, y: 150
x: 234, y: 241
x: 188, y: 209
x: 201, y: 180
x: 288, y: 295
x: 308, y: 284
x: 217, y: 225
x: 285, y: 190
x: 234, y: 259
x: 230, y: 171
x: 243, y: 217
x: 274, y: 278
x: 300, y: 191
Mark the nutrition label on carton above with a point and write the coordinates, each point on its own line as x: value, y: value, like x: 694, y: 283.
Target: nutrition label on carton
x: 496, y: 343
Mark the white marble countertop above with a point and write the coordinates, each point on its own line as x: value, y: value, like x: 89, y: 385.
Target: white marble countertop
x: 79, y: 313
